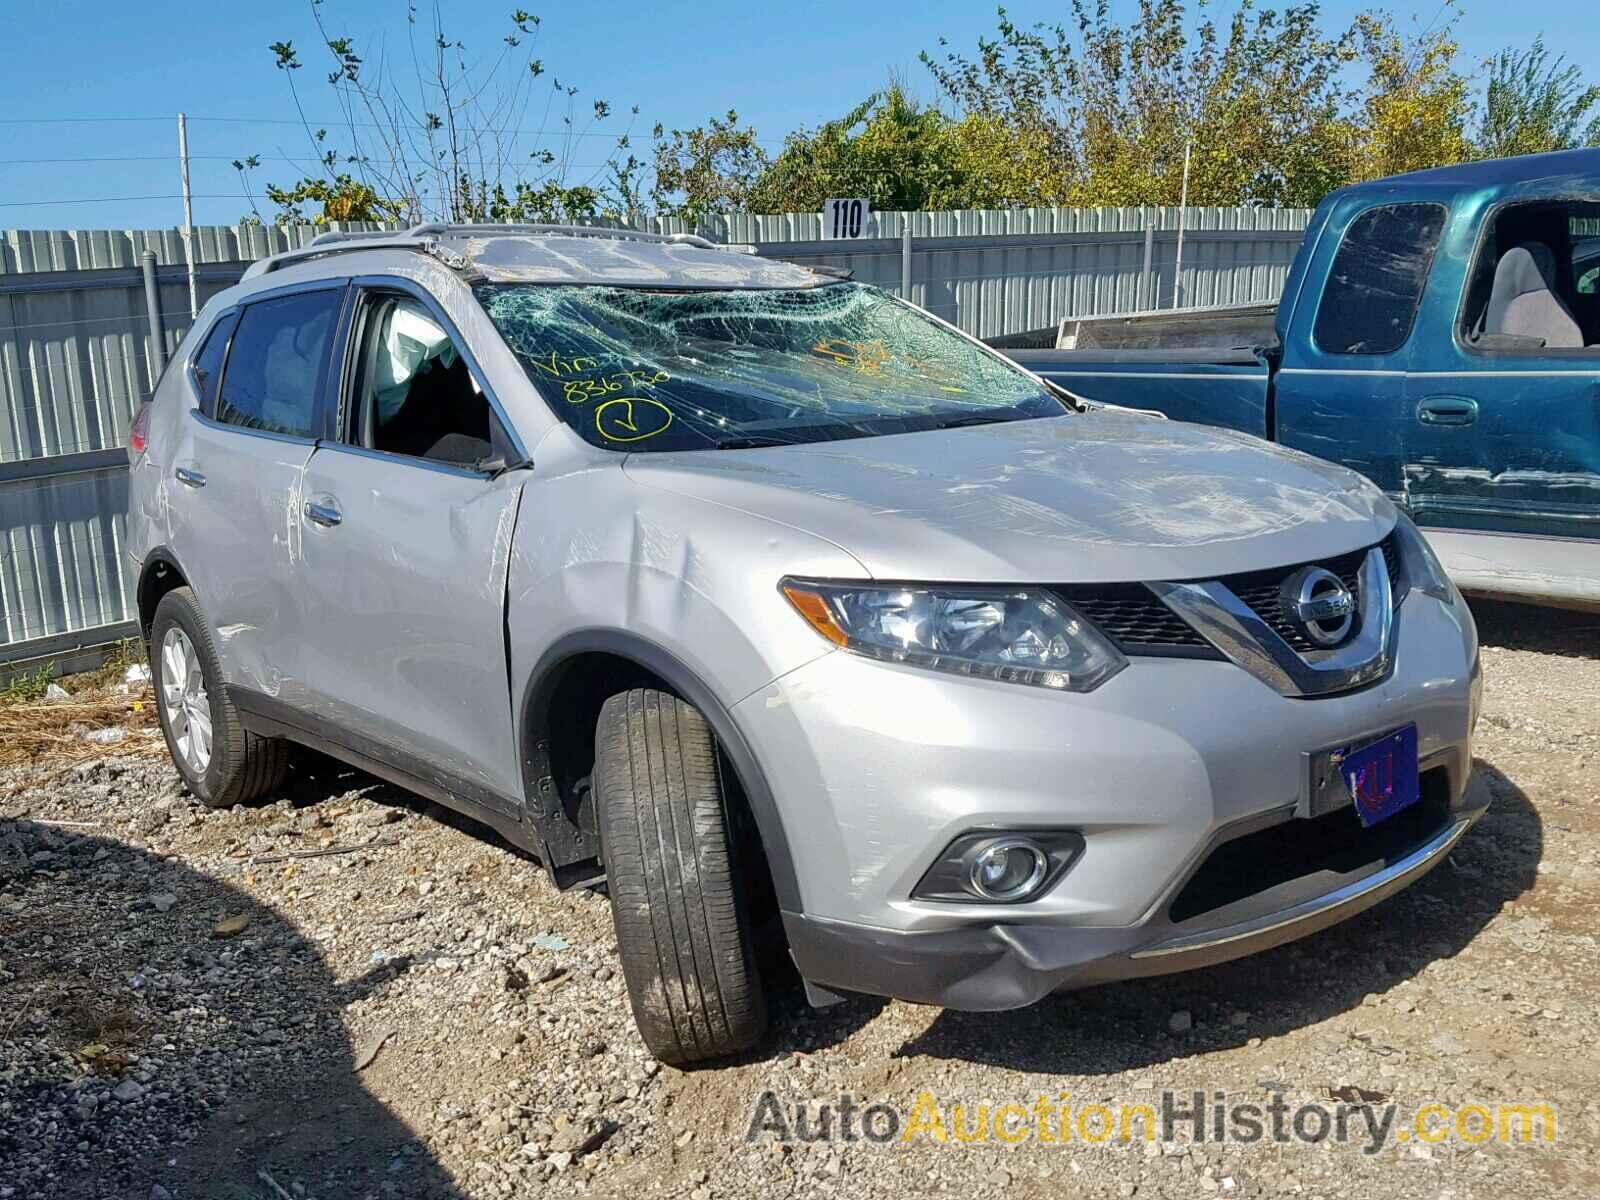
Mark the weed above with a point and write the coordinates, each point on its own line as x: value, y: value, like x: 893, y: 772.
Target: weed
x: 29, y: 686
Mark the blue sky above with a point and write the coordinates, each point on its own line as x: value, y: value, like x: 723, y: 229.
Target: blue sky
x: 779, y: 66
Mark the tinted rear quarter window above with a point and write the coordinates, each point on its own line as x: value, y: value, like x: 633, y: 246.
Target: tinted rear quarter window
x: 1370, y: 302
x: 276, y: 363
x: 207, y: 366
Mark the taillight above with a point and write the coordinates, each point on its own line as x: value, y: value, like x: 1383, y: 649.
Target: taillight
x: 139, y: 437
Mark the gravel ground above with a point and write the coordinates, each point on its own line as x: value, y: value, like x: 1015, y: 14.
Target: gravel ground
x: 191, y: 1005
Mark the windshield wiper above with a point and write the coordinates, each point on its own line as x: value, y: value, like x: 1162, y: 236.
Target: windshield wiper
x: 974, y: 419
x: 754, y: 442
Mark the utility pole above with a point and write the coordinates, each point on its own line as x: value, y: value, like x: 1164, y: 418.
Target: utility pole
x: 905, y: 256
x: 1148, y: 297
x: 188, y: 213
x: 1183, y: 220
x: 152, y: 308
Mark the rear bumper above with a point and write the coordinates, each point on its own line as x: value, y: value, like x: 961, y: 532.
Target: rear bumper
x: 1001, y: 966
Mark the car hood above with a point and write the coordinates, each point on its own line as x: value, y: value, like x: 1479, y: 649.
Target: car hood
x: 1096, y: 497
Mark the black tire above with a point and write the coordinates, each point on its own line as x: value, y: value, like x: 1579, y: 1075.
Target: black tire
x: 680, y: 914
x: 243, y: 766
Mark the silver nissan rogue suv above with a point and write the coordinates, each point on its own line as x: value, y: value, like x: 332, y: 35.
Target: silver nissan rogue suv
x: 784, y: 609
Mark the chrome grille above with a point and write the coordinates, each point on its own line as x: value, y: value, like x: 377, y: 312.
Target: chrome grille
x: 1133, y: 617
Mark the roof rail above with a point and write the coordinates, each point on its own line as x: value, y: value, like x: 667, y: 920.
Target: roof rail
x: 339, y: 243
x: 424, y: 236
x: 488, y: 229
x: 354, y: 235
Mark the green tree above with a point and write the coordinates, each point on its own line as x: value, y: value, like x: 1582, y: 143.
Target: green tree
x: 1535, y: 103
x: 709, y: 169
x: 1256, y: 99
x: 903, y: 155
x: 1274, y: 108
x: 1415, y: 109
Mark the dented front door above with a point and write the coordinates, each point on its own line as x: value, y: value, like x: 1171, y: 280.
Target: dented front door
x: 1506, y: 444
x: 1496, y: 440
x: 404, y: 587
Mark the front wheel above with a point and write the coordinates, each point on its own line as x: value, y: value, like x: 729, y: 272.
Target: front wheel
x: 222, y: 762
x: 681, y: 919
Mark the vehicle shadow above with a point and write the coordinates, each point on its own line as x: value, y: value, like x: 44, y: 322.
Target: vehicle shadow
x: 141, y: 1047
x: 1544, y: 630
x: 316, y: 778
x: 794, y: 1024
x: 1124, y: 1026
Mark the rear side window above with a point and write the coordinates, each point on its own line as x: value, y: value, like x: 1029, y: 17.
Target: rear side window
x: 1376, y: 283
x: 276, y: 363
x: 207, y: 367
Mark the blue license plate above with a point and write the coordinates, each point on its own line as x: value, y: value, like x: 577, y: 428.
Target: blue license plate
x: 1382, y: 775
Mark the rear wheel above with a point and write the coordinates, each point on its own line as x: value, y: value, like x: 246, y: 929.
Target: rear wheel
x: 681, y: 918
x: 222, y: 762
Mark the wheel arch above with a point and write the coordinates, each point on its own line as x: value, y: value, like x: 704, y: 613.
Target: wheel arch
x: 159, y: 574
x: 546, y: 812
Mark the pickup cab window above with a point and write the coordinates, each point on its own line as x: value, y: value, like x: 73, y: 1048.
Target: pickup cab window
x: 1371, y: 298
x: 1533, y: 281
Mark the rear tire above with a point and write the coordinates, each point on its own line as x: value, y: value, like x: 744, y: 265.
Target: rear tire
x: 681, y: 919
x: 237, y: 766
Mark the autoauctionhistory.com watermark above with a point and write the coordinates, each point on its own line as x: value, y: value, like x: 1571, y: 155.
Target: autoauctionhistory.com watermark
x: 1197, y: 1116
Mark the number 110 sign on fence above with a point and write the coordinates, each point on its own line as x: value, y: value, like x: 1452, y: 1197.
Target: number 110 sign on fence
x: 845, y: 220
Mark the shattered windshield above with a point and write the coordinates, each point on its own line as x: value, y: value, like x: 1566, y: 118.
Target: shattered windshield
x: 633, y: 369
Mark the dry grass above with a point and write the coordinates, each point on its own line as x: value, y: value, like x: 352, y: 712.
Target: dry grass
x: 32, y: 729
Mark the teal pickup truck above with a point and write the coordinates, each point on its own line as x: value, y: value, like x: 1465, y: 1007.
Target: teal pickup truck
x: 1440, y: 333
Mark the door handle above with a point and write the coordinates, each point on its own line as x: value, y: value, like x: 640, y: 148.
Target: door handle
x: 189, y: 478
x: 1447, y: 410
x: 325, y: 515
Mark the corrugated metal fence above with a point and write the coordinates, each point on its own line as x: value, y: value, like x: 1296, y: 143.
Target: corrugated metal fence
x: 76, y: 359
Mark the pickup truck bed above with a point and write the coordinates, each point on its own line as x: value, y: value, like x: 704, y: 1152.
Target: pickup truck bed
x: 1218, y: 387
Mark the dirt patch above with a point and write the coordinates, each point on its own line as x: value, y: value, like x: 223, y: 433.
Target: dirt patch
x: 418, y: 1013
x: 80, y: 718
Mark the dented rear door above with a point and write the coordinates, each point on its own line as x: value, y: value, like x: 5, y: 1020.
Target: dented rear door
x: 234, y: 483
x: 405, y: 582
x: 1340, y: 391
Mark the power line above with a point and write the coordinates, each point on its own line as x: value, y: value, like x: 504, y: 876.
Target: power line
x: 164, y: 158
x: 139, y: 318
x: 333, y: 124
x: 229, y: 158
x: 73, y: 120
x: 102, y: 200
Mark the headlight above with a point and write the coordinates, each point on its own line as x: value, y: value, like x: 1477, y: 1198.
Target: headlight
x: 1019, y: 636
x: 1423, y: 570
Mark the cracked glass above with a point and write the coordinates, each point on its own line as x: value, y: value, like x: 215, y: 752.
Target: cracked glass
x: 635, y: 369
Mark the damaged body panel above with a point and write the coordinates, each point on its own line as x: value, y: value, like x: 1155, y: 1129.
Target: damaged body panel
x: 1101, y: 497
x: 774, y: 602
x: 1440, y: 333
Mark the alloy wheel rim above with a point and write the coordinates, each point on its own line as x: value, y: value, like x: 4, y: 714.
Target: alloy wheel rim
x: 184, y: 700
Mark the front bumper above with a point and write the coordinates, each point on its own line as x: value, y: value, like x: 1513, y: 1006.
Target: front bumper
x: 993, y: 967
x: 876, y: 768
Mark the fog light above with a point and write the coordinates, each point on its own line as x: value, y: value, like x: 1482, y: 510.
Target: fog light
x: 991, y: 866
x: 1008, y: 870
